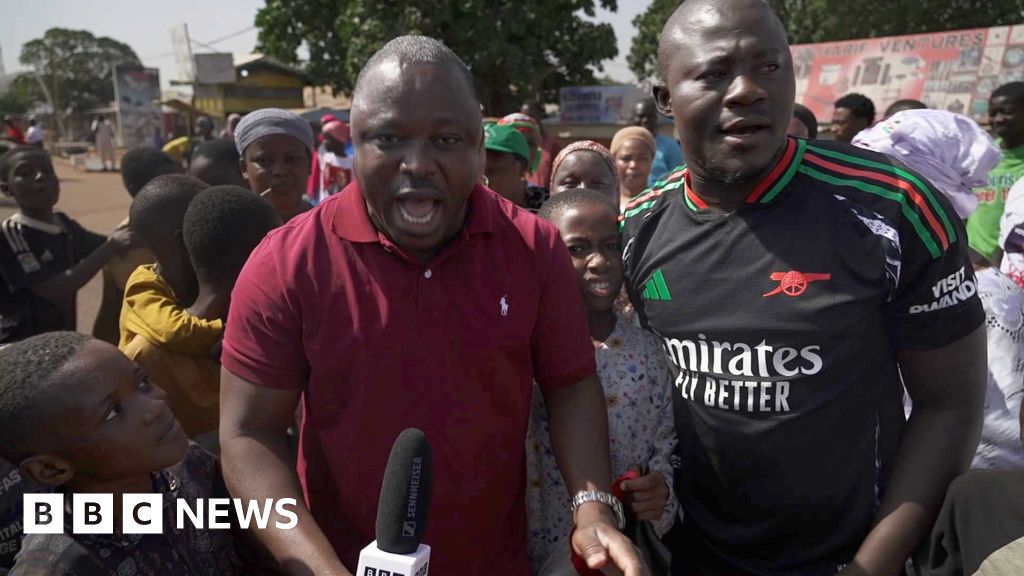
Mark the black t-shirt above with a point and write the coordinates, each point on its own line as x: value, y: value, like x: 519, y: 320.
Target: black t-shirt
x: 30, y: 252
x: 783, y: 318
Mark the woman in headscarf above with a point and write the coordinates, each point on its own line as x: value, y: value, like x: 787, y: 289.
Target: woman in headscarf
x: 633, y: 149
x: 585, y: 164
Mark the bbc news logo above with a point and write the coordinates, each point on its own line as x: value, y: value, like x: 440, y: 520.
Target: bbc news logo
x: 375, y: 572
x: 144, y: 513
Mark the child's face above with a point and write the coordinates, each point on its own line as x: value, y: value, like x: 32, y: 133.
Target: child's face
x: 585, y: 169
x: 280, y: 164
x: 113, y: 422
x: 32, y: 182
x: 592, y: 235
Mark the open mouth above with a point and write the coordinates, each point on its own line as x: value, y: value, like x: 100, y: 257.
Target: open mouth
x: 743, y: 129
x: 418, y: 211
x: 600, y: 288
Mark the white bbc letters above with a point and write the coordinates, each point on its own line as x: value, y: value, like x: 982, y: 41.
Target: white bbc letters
x: 142, y: 513
x: 44, y: 514
x: 92, y: 514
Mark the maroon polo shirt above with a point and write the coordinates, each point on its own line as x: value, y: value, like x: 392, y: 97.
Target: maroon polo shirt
x: 378, y: 342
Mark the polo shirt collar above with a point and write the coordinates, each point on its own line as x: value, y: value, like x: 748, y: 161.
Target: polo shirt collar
x: 769, y: 188
x: 352, y: 221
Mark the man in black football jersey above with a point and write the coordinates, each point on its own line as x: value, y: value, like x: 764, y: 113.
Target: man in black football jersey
x: 792, y: 283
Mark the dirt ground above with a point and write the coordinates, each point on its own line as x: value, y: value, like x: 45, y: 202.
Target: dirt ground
x: 99, y: 202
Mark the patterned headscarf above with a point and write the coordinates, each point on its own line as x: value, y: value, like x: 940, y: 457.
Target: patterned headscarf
x: 527, y: 126
x: 585, y: 146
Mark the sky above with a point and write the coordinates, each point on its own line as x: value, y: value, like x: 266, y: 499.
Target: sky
x: 146, y: 27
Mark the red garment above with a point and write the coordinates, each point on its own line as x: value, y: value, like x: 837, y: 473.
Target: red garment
x: 313, y: 183
x: 378, y: 343
x: 15, y: 133
x: 549, y: 148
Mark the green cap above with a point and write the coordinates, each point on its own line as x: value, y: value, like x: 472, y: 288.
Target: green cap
x: 507, y: 139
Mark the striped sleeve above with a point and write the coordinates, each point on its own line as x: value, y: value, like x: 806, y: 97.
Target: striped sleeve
x: 889, y: 182
x: 16, y: 258
x: 935, y: 302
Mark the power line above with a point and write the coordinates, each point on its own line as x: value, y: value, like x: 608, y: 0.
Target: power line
x: 228, y: 37
x: 207, y: 45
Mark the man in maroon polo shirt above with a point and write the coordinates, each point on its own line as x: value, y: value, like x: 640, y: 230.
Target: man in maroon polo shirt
x: 415, y: 297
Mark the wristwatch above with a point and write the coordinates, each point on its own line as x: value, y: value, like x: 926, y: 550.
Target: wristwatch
x: 584, y: 496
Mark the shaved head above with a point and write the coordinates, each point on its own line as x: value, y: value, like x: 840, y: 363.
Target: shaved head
x: 390, y: 64
x: 703, y: 14
x: 729, y: 86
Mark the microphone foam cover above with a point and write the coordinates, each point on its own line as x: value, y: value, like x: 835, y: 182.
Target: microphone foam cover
x: 405, y: 494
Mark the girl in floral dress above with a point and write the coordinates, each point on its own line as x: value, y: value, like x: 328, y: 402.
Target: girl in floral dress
x: 634, y: 374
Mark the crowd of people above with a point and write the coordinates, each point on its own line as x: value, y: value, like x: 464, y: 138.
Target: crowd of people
x: 745, y: 352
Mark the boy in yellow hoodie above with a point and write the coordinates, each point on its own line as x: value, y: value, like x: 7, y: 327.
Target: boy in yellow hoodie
x: 156, y: 295
x: 221, y: 227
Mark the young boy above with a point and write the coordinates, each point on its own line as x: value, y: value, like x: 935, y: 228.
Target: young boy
x: 45, y: 256
x: 637, y: 385
x: 276, y: 147
x: 222, y: 226
x: 156, y: 295
x: 78, y: 416
x: 216, y: 163
x: 138, y: 167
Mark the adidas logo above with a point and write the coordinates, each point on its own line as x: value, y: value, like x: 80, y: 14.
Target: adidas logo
x: 656, y: 289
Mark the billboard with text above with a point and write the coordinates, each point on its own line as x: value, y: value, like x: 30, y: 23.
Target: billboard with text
x: 955, y: 70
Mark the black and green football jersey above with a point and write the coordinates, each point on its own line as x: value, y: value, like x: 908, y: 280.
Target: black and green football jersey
x: 783, y: 319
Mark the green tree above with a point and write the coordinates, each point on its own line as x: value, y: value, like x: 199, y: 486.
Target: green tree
x: 810, y: 21
x: 517, y: 49
x: 18, y: 98
x: 643, y: 54
x: 76, y: 67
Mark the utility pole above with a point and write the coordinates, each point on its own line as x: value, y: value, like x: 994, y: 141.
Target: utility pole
x: 54, y: 94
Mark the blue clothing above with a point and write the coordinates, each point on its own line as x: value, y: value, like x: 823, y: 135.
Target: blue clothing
x: 667, y: 158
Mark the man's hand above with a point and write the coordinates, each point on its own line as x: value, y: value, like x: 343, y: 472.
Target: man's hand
x: 646, y: 495
x: 602, y: 546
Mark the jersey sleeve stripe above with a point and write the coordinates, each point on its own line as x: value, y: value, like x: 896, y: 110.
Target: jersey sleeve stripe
x: 801, y: 148
x: 891, y: 181
x: 898, y: 197
x: 922, y: 187
x: 656, y: 190
x: 647, y: 200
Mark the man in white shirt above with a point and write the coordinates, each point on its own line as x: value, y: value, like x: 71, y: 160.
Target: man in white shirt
x: 34, y: 136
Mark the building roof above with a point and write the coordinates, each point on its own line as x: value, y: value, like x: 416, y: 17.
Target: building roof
x: 260, y: 61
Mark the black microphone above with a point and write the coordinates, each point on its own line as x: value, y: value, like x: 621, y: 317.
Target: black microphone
x: 402, y: 512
